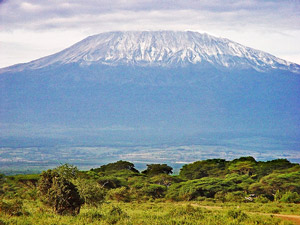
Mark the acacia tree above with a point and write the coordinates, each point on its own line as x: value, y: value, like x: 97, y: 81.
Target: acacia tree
x: 155, y: 169
x: 116, y: 166
x: 243, y: 167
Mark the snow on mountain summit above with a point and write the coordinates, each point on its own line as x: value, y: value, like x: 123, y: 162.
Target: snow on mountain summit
x: 162, y: 48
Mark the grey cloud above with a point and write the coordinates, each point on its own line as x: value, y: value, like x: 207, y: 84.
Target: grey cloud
x: 36, y: 14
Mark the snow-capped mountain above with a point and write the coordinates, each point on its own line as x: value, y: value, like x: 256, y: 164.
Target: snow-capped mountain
x: 151, y: 84
x: 161, y: 48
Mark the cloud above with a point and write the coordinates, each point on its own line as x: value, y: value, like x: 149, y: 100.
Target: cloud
x: 34, y: 14
x: 272, y: 26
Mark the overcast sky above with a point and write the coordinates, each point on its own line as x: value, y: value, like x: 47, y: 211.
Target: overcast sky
x: 30, y: 29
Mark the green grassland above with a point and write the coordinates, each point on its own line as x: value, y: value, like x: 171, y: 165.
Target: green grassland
x: 214, y: 191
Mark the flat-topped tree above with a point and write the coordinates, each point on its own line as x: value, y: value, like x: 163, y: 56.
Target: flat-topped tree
x: 116, y: 166
x: 204, y: 168
x: 155, y: 169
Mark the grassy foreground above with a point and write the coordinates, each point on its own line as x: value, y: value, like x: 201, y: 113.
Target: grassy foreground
x: 213, y: 191
x: 146, y: 213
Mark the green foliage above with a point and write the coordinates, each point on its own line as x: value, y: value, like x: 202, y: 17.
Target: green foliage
x: 186, y: 211
x: 242, y: 167
x: 156, y: 169
x: 29, y: 179
x: 205, y: 168
x: 119, y: 194
x: 262, y: 199
x: 154, y: 190
x: 206, y: 187
x: 290, y: 197
x: 110, y: 182
x: 117, y: 166
x: 67, y: 171
x: 265, y: 168
x: 12, y: 208
x: 60, y: 193
x: 46, y: 181
x: 92, y: 193
x: 230, y: 182
x: 64, y: 197
x: 274, y: 182
x: 164, y: 179
x: 2, y: 180
x: 115, y: 214
x: 237, y: 214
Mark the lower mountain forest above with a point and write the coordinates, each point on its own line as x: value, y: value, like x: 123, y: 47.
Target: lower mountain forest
x: 213, y: 191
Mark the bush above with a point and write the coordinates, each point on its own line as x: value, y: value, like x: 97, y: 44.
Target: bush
x: 262, y: 199
x: 92, y: 193
x: 237, y: 196
x: 109, y: 182
x: 205, y: 187
x: 186, y: 211
x: 60, y: 193
x: 28, y: 179
x: 290, y: 197
x: 119, y: 194
x: 12, y: 208
x: 237, y: 214
x: 92, y: 215
x: 154, y: 190
x: 115, y: 214
x: 164, y: 179
x: 67, y: 171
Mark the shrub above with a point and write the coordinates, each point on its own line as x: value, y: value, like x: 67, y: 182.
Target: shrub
x: 60, y: 193
x: 186, y: 211
x: 237, y: 196
x: 12, y: 208
x: 237, y: 214
x: 91, y: 215
x: 92, y: 193
x: 290, y: 197
x: 164, y: 179
x: 262, y: 199
x: 109, y: 182
x: 67, y: 171
x: 154, y: 190
x: 28, y: 179
x: 119, y: 194
x: 115, y: 214
x: 206, y: 187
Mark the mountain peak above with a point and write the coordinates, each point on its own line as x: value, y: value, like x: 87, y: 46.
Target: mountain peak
x: 162, y: 48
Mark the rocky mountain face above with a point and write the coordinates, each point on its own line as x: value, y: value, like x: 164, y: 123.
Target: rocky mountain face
x: 151, y: 83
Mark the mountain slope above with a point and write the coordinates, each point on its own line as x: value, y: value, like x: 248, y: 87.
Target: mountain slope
x: 161, y: 48
x: 142, y: 84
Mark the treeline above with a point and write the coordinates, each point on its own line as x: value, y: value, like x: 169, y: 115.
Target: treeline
x: 66, y: 189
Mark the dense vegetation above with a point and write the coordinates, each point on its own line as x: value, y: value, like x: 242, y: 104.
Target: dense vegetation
x: 117, y: 193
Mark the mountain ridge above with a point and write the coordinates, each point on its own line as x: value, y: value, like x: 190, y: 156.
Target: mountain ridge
x: 160, y: 48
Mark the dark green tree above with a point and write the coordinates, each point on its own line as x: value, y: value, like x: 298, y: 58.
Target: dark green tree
x: 115, y: 167
x: 265, y: 168
x: 205, y: 168
x: 155, y: 169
